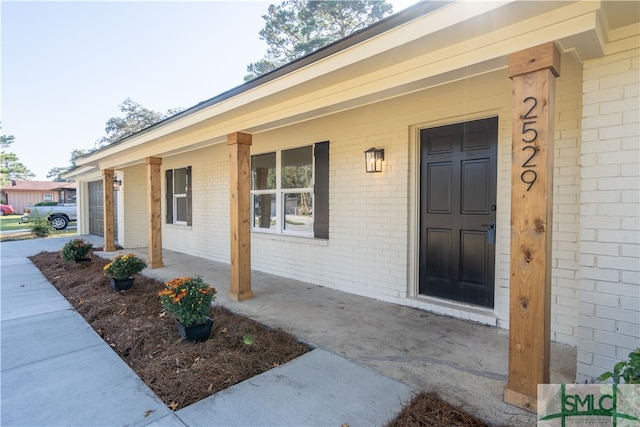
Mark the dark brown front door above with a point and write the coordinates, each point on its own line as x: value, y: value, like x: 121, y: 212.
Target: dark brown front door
x: 458, y: 211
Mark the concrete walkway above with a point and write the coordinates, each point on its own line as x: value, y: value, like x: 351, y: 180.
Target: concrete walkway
x: 370, y: 357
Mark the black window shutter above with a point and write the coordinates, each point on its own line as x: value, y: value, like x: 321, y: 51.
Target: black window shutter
x: 169, y: 211
x: 189, y: 185
x: 321, y: 191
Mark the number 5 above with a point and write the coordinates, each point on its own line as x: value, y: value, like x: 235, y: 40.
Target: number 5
x: 525, y: 130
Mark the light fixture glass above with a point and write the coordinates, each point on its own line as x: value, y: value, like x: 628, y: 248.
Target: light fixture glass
x: 117, y: 184
x: 373, y: 158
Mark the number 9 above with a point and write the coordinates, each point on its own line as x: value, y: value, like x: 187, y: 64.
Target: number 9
x: 534, y: 177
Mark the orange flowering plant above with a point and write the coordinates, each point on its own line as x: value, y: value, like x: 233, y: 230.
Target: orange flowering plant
x: 124, y: 266
x: 188, y: 299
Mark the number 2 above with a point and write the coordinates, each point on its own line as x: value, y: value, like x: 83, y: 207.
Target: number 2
x: 534, y: 150
x: 527, y: 114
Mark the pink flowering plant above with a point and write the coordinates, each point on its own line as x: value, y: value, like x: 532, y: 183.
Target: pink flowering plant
x: 124, y: 266
x: 188, y: 299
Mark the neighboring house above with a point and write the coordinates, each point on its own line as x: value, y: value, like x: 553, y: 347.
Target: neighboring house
x: 21, y: 194
x: 274, y: 169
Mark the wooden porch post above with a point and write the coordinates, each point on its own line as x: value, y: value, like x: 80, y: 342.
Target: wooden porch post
x: 533, y: 72
x: 240, y: 212
x: 154, y: 211
x: 109, y: 220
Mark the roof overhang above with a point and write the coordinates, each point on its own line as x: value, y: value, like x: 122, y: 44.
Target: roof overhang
x: 427, y: 47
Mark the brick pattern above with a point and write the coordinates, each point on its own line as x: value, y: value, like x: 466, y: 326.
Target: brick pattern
x: 566, y: 206
x: 609, y: 309
x: 208, y: 235
x: 503, y: 220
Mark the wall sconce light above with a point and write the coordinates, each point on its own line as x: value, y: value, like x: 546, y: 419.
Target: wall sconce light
x: 373, y: 159
x: 117, y: 184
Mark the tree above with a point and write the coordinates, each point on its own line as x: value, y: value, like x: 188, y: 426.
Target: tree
x: 55, y: 172
x: 10, y: 166
x: 298, y: 27
x: 136, y: 118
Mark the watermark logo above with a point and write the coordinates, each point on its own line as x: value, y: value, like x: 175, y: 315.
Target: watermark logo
x: 561, y: 405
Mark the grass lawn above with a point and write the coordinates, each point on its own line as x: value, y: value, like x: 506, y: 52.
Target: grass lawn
x: 11, y: 229
x: 10, y: 222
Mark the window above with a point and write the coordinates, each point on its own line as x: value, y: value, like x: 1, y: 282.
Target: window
x: 282, y: 191
x: 47, y: 197
x: 178, y: 184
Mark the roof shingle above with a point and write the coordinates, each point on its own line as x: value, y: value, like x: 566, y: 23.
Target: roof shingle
x: 38, y: 186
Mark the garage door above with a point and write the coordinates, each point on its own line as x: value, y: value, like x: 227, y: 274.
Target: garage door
x: 96, y: 209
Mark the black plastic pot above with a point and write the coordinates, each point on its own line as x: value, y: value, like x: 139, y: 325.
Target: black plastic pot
x: 121, y: 284
x: 196, y: 333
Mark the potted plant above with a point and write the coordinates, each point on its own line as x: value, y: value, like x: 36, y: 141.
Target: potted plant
x: 76, y: 250
x: 121, y: 270
x: 189, y: 300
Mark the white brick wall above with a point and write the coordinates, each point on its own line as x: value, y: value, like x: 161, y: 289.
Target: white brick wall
x: 208, y: 236
x: 609, y: 309
x: 566, y: 205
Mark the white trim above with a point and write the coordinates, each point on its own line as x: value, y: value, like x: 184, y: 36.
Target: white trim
x: 455, y: 309
x: 280, y: 228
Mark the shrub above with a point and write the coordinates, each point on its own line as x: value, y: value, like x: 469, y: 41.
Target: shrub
x: 40, y: 226
x: 188, y: 299
x: 75, y: 250
x: 628, y: 370
x: 124, y: 266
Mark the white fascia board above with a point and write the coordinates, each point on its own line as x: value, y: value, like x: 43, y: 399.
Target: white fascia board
x: 79, y: 172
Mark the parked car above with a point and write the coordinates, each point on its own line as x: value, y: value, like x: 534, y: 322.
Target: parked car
x: 6, y: 210
x: 58, y: 215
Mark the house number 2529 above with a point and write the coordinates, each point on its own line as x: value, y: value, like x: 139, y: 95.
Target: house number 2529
x: 529, y: 136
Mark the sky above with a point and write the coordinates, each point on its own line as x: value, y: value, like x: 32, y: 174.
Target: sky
x: 67, y: 66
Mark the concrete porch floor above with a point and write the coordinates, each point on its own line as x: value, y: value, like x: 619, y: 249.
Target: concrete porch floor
x: 466, y: 363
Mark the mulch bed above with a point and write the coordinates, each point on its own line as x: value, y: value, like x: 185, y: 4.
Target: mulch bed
x: 427, y: 409
x: 134, y: 324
